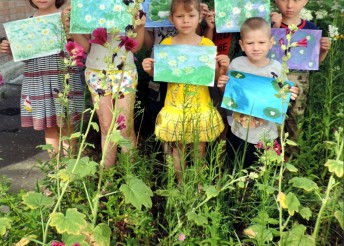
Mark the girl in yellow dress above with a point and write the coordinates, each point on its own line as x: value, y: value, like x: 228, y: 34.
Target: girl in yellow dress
x: 188, y: 115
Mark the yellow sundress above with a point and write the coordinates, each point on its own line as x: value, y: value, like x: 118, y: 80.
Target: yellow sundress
x: 188, y: 114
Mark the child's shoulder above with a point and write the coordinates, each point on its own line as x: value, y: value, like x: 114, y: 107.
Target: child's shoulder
x: 167, y: 40
x: 207, y: 42
x: 305, y: 24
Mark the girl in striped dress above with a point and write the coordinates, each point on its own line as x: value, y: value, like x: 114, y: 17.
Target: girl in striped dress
x: 40, y: 105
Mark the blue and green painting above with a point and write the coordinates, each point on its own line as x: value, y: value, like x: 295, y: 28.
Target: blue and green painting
x: 230, y: 15
x: 35, y: 37
x: 305, y: 54
x: 186, y: 64
x: 158, y: 12
x: 87, y: 15
x: 256, y: 96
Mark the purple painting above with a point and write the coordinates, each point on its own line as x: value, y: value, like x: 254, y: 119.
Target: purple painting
x: 303, y: 57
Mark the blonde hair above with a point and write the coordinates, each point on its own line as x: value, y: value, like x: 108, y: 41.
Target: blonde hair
x: 187, y: 5
x: 253, y: 24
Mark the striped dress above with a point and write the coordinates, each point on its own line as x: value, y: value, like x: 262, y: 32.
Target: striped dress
x: 43, y: 80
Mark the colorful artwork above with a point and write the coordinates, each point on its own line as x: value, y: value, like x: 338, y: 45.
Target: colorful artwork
x: 256, y: 96
x: 304, y: 56
x: 185, y: 64
x: 231, y: 14
x: 87, y: 15
x: 158, y: 12
x: 35, y: 37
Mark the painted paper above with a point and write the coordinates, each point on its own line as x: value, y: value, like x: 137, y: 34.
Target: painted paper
x: 256, y: 96
x: 302, y: 57
x: 230, y: 15
x: 35, y: 37
x: 158, y: 12
x: 187, y: 64
x: 87, y: 15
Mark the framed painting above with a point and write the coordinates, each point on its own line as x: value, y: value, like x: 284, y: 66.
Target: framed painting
x: 87, y: 15
x: 303, y: 57
x: 35, y: 37
x: 230, y: 14
x: 158, y: 12
x: 186, y: 64
x: 256, y: 96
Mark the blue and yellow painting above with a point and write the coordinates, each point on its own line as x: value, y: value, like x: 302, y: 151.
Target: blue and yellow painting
x: 230, y: 15
x: 158, y: 12
x: 186, y: 64
x: 87, y: 15
x: 35, y: 37
x: 256, y: 96
x: 304, y: 56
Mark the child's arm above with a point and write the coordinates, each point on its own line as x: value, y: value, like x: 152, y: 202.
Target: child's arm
x: 5, y: 47
x: 210, y: 21
x: 222, y: 63
x: 276, y: 19
x: 325, y: 45
x: 148, y: 65
x: 140, y: 31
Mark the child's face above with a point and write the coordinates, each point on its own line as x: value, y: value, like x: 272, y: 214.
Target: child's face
x: 44, y: 4
x: 186, y: 22
x: 290, y: 8
x: 256, y: 45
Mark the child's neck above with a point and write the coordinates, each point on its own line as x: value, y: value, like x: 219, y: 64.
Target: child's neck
x: 290, y: 21
x: 191, y: 39
x: 40, y: 12
x: 260, y: 63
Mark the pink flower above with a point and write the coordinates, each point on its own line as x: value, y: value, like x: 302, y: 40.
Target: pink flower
x: 302, y: 43
x: 260, y: 145
x: 277, y: 147
x: 128, y: 43
x: 181, y: 237
x: 100, y: 36
x: 57, y: 244
x: 76, y: 51
x: 120, y: 122
x: 76, y: 244
x: 281, y: 41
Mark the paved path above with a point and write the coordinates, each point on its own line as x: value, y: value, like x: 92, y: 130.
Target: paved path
x: 18, y: 145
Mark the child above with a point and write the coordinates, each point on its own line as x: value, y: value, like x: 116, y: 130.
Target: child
x: 256, y: 41
x: 95, y: 67
x: 43, y: 80
x: 188, y: 111
x: 290, y: 14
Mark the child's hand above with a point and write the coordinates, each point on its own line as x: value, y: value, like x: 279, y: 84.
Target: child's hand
x: 204, y: 10
x: 222, y: 81
x: 210, y: 19
x: 223, y: 63
x: 148, y: 65
x: 325, y: 44
x: 276, y: 19
x: 294, y: 92
x: 5, y: 47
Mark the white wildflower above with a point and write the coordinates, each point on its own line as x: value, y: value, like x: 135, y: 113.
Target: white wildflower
x: 320, y: 14
x: 306, y: 14
x: 333, y: 31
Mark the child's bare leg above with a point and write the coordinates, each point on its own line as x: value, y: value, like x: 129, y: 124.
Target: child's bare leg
x: 69, y: 146
x: 201, y: 150
x: 52, y: 137
x: 179, y: 164
x: 104, y: 113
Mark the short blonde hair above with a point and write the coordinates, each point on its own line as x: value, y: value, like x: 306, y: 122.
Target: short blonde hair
x: 255, y: 23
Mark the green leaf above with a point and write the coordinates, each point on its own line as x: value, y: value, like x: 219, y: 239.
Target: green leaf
x: 292, y: 203
x: 199, y: 219
x: 335, y: 166
x: 137, y: 193
x: 70, y: 239
x: 72, y: 223
x: 36, y: 200
x: 85, y: 167
x: 296, y: 237
x: 211, y: 191
x: 102, y: 234
x: 95, y: 126
x: 291, y: 143
x: 75, y: 135
x: 304, y: 183
x: 5, y: 223
x: 340, y: 217
x: 258, y: 231
x: 117, y: 138
x: 305, y: 212
x: 291, y: 168
x: 168, y: 193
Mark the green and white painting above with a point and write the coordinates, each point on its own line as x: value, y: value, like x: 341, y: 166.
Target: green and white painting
x: 35, y: 37
x: 87, y: 15
x: 230, y: 14
x: 186, y: 64
x: 158, y: 12
x: 256, y: 96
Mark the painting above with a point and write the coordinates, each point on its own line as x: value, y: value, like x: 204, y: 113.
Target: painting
x: 158, y: 12
x: 87, y: 15
x: 35, y: 37
x: 186, y: 64
x: 304, y: 56
x: 256, y: 96
x: 230, y: 14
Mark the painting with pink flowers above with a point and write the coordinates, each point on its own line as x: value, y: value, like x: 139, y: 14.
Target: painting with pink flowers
x: 305, y: 51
